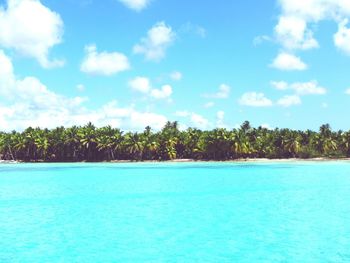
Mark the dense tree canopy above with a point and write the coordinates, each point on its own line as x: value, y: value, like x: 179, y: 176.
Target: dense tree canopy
x: 89, y: 143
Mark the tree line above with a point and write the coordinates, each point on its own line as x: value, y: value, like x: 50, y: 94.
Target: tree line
x: 88, y: 143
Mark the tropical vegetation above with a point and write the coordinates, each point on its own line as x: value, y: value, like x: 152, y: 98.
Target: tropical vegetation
x: 89, y: 143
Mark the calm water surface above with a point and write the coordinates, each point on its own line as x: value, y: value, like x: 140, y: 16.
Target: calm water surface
x: 190, y: 212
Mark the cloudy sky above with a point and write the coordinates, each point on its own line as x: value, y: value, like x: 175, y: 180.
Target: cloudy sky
x: 132, y: 63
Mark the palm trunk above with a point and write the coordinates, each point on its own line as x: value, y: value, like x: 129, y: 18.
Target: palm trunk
x: 11, y: 154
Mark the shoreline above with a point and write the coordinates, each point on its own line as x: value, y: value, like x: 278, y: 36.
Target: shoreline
x: 248, y: 160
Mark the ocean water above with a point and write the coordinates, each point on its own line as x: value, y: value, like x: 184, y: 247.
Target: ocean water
x: 175, y: 212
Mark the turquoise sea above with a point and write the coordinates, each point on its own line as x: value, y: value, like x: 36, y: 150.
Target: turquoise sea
x: 175, y: 212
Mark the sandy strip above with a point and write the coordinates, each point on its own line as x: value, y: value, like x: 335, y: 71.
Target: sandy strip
x: 248, y: 160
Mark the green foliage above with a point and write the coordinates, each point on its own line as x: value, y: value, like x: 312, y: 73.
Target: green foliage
x: 88, y: 143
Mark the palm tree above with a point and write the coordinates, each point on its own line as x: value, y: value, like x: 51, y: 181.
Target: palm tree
x: 218, y: 145
x: 324, y: 141
x: 190, y: 139
x: 19, y: 146
x: 168, y: 139
x: 133, y: 145
x: 107, y: 143
x: 329, y: 145
x: 6, y: 142
x: 240, y: 143
x: 170, y: 146
x: 291, y: 145
x: 87, y: 139
x: 71, y: 142
x: 151, y: 144
x: 345, y: 143
x: 29, y: 140
x: 42, y: 146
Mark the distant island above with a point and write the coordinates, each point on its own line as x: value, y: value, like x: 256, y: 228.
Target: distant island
x: 88, y: 143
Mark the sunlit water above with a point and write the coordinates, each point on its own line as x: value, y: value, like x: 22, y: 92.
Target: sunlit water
x: 189, y: 212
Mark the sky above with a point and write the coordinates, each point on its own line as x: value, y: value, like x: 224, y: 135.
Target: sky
x: 205, y: 64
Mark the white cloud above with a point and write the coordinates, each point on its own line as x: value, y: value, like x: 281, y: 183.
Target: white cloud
x: 347, y: 91
x: 126, y: 117
x: 294, y: 31
x: 140, y: 84
x: 103, y: 63
x: 288, y: 62
x: 223, y: 92
x: 310, y: 9
x: 199, y: 121
x: 143, y: 85
x: 209, y: 104
x: 28, y: 102
x: 260, y: 39
x: 7, y: 78
x: 193, y: 29
x: 301, y: 88
x: 315, y: 10
x: 279, y: 85
x: 342, y: 37
x: 29, y: 89
x: 80, y: 87
x: 254, y: 99
x: 139, y: 120
x: 176, y: 75
x: 158, y: 39
x: 289, y: 100
x: 220, y: 116
x: 136, y: 5
x: 31, y: 29
x: 266, y: 126
x: 195, y: 120
x: 200, y: 31
x: 298, y: 22
x: 162, y: 93
x: 308, y: 88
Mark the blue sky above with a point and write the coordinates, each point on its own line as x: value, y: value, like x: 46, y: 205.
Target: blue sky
x: 132, y: 63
